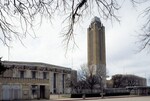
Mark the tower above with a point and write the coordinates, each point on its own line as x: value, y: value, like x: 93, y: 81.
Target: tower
x: 96, y: 49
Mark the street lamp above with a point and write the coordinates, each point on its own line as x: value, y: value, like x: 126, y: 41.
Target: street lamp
x: 101, y: 85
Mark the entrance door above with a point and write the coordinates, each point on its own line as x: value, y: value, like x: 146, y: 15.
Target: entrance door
x: 42, y: 92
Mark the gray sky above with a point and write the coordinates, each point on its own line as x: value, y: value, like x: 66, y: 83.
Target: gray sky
x: 121, y: 46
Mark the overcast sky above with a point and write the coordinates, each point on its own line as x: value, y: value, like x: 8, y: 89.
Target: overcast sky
x: 121, y: 46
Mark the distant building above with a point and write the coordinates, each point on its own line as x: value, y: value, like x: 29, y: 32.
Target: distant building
x: 123, y: 81
x: 32, y: 80
x: 96, y: 49
x: 109, y: 83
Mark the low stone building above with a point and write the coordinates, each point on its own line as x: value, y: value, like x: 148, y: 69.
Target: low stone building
x: 33, y: 80
x: 123, y: 81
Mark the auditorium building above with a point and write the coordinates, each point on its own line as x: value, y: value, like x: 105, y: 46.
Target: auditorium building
x: 34, y: 80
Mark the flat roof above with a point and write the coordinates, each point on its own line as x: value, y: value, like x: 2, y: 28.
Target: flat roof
x: 32, y: 64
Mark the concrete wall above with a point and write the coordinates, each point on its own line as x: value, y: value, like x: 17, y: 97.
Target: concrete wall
x: 26, y: 91
x: 13, y: 77
x: 51, y: 82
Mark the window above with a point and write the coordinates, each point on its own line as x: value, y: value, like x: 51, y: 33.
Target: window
x: 34, y: 89
x: 21, y: 74
x: 101, y: 44
x: 33, y: 74
x: 54, y: 82
x: 63, y: 82
x: 44, y: 75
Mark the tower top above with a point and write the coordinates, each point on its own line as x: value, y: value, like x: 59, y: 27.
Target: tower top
x: 95, y: 19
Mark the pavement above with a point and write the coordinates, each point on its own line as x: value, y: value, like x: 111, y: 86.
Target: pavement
x: 110, y: 98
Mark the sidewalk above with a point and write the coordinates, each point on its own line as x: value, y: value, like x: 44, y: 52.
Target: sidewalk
x: 123, y: 98
x: 108, y: 98
x: 93, y: 98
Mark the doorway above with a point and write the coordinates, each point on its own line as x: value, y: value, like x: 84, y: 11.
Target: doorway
x: 42, y: 92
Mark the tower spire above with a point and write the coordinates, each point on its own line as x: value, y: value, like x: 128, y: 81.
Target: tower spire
x: 96, y: 19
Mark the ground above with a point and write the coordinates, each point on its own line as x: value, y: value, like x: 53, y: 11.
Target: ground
x: 126, y: 98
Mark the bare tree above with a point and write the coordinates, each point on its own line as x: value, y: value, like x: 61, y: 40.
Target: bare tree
x: 2, y: 67
x: 82, y: 75
x: 122, y: 81
x: 26, y: 11
x: 144, y: 36
x: 117, y: 81
x: 87, y: 81
x: 92, y: 81
x: 149, y: 80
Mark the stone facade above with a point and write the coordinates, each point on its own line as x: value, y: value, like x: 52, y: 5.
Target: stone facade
x: 32, y: 80
x: 128, y: 80
x: 96, y: 49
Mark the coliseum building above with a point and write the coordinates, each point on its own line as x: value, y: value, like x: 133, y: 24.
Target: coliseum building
x: 33, y: 80
x: 128, y: 80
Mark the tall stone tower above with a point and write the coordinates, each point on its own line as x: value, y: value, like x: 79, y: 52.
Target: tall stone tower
x: 96, y: 49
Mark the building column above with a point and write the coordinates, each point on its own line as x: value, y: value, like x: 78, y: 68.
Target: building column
x: 60, y: 89
x: 51, y: 82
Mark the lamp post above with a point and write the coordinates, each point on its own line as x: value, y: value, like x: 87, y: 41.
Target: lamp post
x: 101, y: 85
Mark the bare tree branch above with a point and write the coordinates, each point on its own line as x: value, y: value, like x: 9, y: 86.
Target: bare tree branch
x: 144, y: 37
x: 28, y: 10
